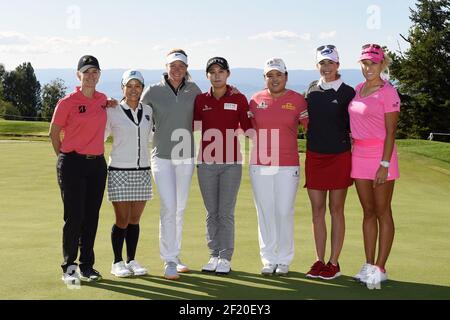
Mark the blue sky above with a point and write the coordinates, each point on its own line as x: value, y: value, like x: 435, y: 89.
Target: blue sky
x: 137, y: 34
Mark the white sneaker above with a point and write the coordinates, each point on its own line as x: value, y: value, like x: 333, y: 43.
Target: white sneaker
x: 362, y: 274
x: 282, y: 269
x: 375, y: 277
x: 135, y: 268
x: 268, y: 269
x: 120, y: 270
x: 170, y: 270
x: 211, y: 266
x: 181, y: 267
x: 223, y: 266
x: 71, y: 278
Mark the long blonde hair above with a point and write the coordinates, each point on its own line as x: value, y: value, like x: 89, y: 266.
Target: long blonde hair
x: 385, y: 73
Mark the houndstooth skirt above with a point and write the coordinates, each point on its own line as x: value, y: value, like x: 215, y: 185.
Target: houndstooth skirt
x: 129, y: 185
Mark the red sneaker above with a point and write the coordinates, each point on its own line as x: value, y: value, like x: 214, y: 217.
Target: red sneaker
x: 315, y: 270
x: 330, y: 271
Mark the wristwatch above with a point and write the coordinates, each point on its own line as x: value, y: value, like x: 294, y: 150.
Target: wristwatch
x: 384, y: 164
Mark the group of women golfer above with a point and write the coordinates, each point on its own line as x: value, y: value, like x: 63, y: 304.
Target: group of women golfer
x: 350, y: 138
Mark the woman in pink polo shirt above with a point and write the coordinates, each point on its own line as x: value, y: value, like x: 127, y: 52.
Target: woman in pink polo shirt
x: 81, y: 168
x: 274, y: 165
x: 374, y: 114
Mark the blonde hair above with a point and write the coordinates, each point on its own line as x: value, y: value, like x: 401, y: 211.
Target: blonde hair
x: 385, y: 73
x: 178, y: 50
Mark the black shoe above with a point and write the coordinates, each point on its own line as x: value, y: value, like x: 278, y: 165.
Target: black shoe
x: 90, y: 275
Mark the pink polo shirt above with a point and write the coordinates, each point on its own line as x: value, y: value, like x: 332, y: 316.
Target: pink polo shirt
x: 276, y: 123
x: 83, y: 122
x: 367, y: 113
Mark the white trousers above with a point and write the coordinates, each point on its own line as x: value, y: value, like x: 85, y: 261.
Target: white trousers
x: 173, y: 180
x: 274, y: 192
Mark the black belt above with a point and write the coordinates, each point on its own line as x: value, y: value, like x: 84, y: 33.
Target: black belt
x: 84, y: 156
x: 128, y: 169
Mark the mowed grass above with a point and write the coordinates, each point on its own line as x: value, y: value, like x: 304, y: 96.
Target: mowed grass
x: 31, y: 224
x: 35, y: 128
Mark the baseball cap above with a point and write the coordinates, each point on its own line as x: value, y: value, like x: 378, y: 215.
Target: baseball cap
x: 87, y: 62
x: 327, y: 52
x: 275, y: 64
x: 130, y: 75
x: 177, y: 56
x: 372, y: 52
x: 221, y: 62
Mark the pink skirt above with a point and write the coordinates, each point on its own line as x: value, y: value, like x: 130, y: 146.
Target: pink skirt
x: 366, y: 157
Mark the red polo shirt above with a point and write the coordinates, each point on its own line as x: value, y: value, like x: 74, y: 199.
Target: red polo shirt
x: 83, y: 121
x: 221, y: 118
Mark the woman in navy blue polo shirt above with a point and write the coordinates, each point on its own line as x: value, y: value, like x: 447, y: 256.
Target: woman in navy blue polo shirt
x: 328, y: 158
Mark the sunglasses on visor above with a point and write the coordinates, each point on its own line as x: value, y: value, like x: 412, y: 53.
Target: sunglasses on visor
x: 328, y: 46
x: 376, y: 46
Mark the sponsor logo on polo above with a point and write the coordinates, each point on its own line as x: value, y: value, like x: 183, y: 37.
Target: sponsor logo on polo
x: 262, y: 105
x: 82, y: 109
x: 288, y: 106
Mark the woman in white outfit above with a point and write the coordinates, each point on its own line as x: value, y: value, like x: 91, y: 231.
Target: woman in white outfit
x: 129, y: 180
x: 172, y: 101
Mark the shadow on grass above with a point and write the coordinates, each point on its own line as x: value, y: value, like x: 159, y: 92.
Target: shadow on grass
x: 242, y: 285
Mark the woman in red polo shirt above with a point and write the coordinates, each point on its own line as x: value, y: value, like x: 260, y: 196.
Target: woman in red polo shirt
x: 219, y: 171
x: 81, y: 168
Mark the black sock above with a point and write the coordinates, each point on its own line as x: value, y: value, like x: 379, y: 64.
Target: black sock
x: 117, y: 237
x: 132, y: 241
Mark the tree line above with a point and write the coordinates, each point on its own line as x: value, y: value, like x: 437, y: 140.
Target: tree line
x: 21, y: 95
x: 421, y: 73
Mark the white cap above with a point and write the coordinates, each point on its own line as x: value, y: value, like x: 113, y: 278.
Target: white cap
x: 177, y: 56
x: 130, y: 75
x: 327, y: 53
x: 275, y: 64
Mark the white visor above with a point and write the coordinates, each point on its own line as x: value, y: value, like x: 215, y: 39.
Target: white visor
x: 177, y: 56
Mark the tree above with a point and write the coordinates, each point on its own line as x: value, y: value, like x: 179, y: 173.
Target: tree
x: 21, y: 88
x: 423, y: 71
x: 8, y: 111
x: 2, y: 72
x: 51, y: 93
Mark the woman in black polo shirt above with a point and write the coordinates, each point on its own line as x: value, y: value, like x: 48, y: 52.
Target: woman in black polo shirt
x: 328, y: 158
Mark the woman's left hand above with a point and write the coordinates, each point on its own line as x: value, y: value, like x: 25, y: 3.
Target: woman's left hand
x: 381, y: 176
x: 112, y: 103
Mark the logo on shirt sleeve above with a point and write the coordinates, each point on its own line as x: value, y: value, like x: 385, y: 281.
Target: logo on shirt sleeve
x: 396, y: 105
x: 147, y: 117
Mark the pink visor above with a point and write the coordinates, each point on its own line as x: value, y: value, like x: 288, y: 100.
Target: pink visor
x: 372, y: 52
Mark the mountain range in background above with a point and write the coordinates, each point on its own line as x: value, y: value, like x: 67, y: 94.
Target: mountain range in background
x: 247, y: 80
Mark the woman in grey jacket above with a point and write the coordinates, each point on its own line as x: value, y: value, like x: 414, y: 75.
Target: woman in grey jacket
x: 172, y: 101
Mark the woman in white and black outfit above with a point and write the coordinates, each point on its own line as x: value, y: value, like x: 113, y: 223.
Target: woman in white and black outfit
x: 129, y: 176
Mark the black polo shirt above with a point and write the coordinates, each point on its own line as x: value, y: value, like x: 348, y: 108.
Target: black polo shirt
x: 329, y: 124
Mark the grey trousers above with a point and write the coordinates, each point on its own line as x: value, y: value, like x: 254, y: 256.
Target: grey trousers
x: 219, y: 185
